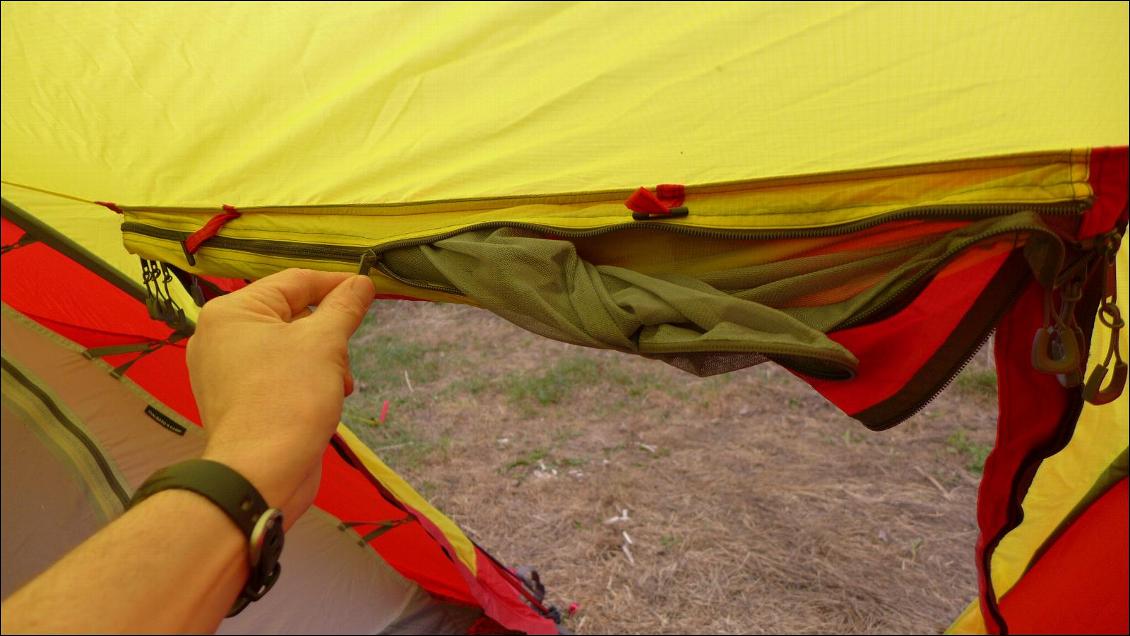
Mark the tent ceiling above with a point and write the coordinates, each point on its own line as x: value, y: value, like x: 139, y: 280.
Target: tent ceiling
x: 291, y: 103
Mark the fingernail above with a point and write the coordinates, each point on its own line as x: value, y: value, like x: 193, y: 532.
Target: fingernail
x: 363, y: 285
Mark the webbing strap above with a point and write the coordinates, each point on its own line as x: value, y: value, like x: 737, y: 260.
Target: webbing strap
x: 141, y: 348
x: 381, y: 527
x: 114, y: 350
x: 26, y: 239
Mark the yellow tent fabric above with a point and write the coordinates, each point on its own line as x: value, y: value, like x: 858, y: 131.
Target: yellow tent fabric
x: 293, y: 103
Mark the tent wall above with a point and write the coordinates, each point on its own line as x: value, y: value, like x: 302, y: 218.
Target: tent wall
x: 1066, y: 484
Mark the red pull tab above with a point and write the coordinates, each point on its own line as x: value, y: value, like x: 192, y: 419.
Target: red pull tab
x: 665, y: 202
x: 193, y: 241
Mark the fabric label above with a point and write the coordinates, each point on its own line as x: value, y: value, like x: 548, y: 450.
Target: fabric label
x: 164, y: 420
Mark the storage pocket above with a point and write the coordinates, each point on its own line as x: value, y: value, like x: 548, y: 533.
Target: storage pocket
x: 706, y: 303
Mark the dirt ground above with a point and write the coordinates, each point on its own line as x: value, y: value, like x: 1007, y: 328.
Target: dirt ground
x: 660, y: 502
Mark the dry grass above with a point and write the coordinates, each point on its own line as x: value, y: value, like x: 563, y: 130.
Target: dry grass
x: 752, y: 505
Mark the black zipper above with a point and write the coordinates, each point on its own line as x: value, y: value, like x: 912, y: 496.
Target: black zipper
x: 354, y: 254
x: 263, y: 247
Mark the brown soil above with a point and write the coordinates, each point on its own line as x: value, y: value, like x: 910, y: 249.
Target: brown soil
x: 752, y: 505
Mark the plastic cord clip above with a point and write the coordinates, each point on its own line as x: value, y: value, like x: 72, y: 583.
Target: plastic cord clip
x: 665, y: 203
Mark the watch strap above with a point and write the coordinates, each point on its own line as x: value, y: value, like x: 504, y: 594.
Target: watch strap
x: 241, y: 501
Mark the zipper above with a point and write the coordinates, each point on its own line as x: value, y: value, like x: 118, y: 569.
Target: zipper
x: 368, y: 258
x: 354, y: 254
x: 986, y: 332
x: 103, y: 465
x: 372, y: 259
x: 263, y: 247
x: 864, y: 316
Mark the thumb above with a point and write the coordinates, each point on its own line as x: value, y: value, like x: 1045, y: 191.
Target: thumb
x: 343, y: 309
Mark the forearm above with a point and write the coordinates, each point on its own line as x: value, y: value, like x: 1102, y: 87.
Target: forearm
x: 269, y: 378
x: 175, y: 563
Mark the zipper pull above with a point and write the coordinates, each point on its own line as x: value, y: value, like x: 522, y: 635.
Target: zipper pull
x: 368, y: 260
x: 1074, y: 377
x: 1111, y: 318
x: 191, y: 244
x: 1093, y: 391
x: 197, y: 292
x: 160, y: 304
x: 1055, y: 348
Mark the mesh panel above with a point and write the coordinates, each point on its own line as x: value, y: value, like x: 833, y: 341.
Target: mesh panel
x: 703, y: 305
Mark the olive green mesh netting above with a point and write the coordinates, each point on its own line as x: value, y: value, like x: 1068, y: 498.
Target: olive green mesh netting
x: 711, y: 307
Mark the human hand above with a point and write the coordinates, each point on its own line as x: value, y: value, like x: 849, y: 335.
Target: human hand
x: 270, y: 377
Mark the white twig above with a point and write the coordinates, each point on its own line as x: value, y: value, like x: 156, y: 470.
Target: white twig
x: 623, y: 516
x: 628, y: 553
x: 408, y: 382
x: 945, y: 493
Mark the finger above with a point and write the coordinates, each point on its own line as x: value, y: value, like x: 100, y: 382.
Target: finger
x: 349, y: 383
x: 343, y: 309
x: 288, y: 292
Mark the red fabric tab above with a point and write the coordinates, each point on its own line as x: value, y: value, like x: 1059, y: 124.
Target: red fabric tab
x: 194, y: 240
x: 643, y: 200
x: 660, y: 202
x: 671, y: 194
x: 109, y: 205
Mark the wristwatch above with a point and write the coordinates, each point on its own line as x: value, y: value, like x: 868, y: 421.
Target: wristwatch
x: 243, y: 504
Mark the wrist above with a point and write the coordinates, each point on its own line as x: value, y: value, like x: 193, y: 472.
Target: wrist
x: 232, y: 494
x: 252, y: 468
x: 230, y: 544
